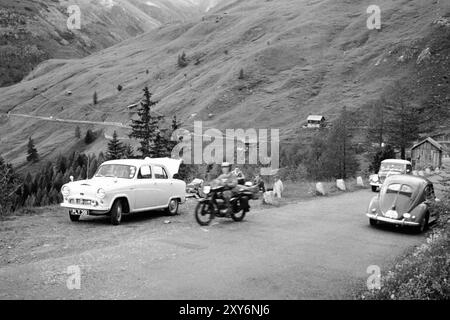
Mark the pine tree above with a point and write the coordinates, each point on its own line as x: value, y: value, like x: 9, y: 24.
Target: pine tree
x: 377, y: 123
x: 32, y: 152
x: 115, y: 148
x: 340, y: 158
x: 90, y: 137
x: 404, y: 119
x: 146, y: 128
x: 95, y: 98
x: 241, y: 74
x: 78, y: 132
x: 182, y: 60
x: 128, y: 151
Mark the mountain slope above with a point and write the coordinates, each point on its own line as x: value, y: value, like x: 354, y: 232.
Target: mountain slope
x: 298, y: 57
x: 35, y: 30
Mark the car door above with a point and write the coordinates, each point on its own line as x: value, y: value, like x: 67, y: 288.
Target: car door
x: 144, y: 189
x: 162, y: 184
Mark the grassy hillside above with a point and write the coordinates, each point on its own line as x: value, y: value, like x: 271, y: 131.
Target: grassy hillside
x: 35, y: 30
x: 299, y: 57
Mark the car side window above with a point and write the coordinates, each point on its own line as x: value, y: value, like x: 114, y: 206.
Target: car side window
x: 160, y: 173
x: 145, y: 172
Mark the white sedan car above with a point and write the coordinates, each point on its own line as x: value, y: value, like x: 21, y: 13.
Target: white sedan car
x: 126, y: 186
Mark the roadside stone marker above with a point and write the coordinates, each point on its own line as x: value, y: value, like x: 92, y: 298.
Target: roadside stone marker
x: 415, y: 173
x: 340, y: 183
x: 427, y: 171
x: 421, y: 174
x: 320, y: 189
x: 268, y: 197
x: 437, y: 171
x: 360, y: 182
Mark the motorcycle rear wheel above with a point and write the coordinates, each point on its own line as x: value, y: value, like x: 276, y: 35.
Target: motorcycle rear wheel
x: 204, y: 213
x: 238, y: 216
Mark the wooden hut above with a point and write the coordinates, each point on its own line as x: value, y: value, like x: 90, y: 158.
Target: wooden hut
x: 427, y: 153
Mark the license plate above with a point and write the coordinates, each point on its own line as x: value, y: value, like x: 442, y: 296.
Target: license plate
x: 79, y: 212
x: 392, y: 214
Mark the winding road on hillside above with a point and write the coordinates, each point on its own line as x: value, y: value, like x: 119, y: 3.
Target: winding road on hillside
x: 318, y: 248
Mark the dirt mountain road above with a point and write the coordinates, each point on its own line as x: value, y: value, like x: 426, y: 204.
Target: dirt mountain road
x: 319, y: 248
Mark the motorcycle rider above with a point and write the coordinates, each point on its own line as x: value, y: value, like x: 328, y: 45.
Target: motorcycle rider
x: 228, y: 179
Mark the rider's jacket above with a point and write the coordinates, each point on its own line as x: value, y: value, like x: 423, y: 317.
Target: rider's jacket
x: 228, y: 179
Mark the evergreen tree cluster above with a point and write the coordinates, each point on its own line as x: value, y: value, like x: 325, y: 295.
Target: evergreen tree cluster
x: 8, y: 185
x: 43, y: 188
x: 118, y: 150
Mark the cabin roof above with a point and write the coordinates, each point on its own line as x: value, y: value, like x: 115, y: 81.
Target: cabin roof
x: 436, y: 144
x: 315, y: 118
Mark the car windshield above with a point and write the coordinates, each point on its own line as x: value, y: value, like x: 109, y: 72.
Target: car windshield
x: 116, y: 171
x: 392, y: 167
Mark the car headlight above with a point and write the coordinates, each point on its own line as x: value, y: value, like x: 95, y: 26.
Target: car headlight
x: 406, y: 215
x: 101, y: 193
x: 375, y: 178
x: 206, y: 189
x: 65, y: 190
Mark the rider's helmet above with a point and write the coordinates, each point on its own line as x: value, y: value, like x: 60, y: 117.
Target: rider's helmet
x: 226, y: 165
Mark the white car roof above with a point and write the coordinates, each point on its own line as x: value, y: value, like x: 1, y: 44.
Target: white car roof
x: 172, y: 165
x: 399, y: 161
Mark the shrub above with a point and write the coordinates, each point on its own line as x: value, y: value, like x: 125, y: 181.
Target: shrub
x: 182, y: 60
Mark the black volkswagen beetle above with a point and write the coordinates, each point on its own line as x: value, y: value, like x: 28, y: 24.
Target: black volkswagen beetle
x: 404, y: 200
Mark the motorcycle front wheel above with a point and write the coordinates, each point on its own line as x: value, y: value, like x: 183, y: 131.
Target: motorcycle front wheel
x: 204, y: 213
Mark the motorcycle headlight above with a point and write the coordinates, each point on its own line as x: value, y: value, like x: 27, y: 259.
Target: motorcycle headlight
x: 206, y: 189
x: 101, y: 193
x: 65, y: 190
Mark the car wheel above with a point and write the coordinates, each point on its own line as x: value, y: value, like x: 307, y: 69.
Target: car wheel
x: 423, y: 224
x: 373, y: 222
x: 374, y: 188
x: 116, y: 213
x: 74, y: 217
x: 172, y: 209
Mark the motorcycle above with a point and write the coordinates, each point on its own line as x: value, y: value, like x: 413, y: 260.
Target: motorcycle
x: 212, y: 204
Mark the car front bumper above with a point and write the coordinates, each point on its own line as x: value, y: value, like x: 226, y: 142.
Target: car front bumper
x: 93, y: 210
x: 402, y: 222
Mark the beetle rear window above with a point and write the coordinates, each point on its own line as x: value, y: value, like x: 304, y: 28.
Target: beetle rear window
x: 399, y: 188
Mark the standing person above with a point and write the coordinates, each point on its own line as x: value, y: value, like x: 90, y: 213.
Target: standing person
x: 258, y: 181
x: 239, y: 175
x: 278, y: 187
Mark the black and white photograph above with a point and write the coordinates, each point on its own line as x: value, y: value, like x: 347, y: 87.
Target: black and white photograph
x: 225, y: 155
